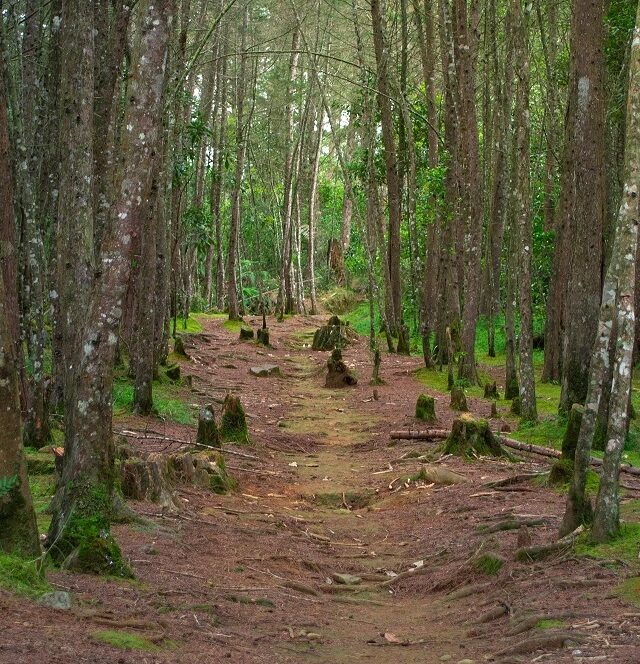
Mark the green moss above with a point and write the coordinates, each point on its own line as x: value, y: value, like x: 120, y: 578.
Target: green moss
x: 40, y: 463
x: 629, y: 590
x: 86, y: 543
x: 43, y: 488
x: 624, y: 547
x: 233, y: 426
x: 193, y: 326
x: 354, y: 499
x: 130, y: 641
x: 22, y: 576
x: 549, y: 623
x: 233, y: 325
x: 488, y: 563
x: 426, y: 408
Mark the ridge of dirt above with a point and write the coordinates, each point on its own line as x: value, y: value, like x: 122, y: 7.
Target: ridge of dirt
x: 253, y: 576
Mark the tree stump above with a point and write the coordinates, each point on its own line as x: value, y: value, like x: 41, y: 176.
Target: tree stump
x: 211, y: 472
x: 471, y: 437
x: 491, y: 391
x: 173, y: 372
x: 178, y: 347
x: 339, y: 374
x: 148, y: 479
x: 458, y: 399
x: 246, y: 333
x: 494, y: 410
x: 335, y: 334
x: 207, y: 428
x: 233, y: 426
x: 426, y: 409
x: 263, y: 336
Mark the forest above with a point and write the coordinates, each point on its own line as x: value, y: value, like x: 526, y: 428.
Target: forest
x: 314, y: 315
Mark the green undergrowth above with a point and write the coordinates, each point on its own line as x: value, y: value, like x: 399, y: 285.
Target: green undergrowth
x: 626, y: 546
x: 549, y: 623
x: 169, y: 400
x: 130, y: 641
x: 488, y: 563
x: 233, y: 325
x: 629, y: 590
x: 191, y: 325
x: 22, y: 576
x: 42, y: 489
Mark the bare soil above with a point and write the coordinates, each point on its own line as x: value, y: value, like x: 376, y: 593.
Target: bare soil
x: 249, y: 576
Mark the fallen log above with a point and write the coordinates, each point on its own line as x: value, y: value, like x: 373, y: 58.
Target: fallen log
x: 425, y: 434
x: 555, y: 454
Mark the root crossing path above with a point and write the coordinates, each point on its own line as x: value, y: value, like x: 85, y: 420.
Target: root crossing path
x: 338, y: 544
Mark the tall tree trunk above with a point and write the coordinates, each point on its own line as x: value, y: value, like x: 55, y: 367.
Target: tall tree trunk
x: 615, y: 327
x: 313, y: 203
x: 391, y: 162
x: 465, y: 48
x: 18, y: 529
x: 523, y: 212
x: 586, y: 199
x: 84, y: 500
x: 236, y: 198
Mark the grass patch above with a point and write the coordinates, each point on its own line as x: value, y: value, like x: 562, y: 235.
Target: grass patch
x: 233, y: 325
x: 629, y: 590
x: 549, y: 623
x: 130, y: 641
x: 189, y: 326
x: 42, y: 489
x: 488, y: 563
x: 624, y: 547
x: 22, y: 576
x: 168, y: 400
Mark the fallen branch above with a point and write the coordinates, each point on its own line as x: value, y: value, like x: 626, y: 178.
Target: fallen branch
x: 426, y: 434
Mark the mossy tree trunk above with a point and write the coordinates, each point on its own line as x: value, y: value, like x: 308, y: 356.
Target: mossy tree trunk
x: 83, y: 505
x: 621, y: 273
x: 18, y: 529
x: 616, y: 312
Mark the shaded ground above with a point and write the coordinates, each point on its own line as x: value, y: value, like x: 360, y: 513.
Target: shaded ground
x: 249, y: 577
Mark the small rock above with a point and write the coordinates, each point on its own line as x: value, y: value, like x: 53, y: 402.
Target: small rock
x: 265, y: 370
x: 59, y: 599
x: 346, y: 579
x: 445, y: 658
x: 466, y: 661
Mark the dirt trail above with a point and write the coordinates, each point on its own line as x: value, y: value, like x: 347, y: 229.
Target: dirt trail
x: 251, y: 576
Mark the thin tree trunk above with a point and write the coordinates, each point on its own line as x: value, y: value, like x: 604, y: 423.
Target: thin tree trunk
x: 523, y: 212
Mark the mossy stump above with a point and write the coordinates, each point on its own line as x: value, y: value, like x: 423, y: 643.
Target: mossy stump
x: 211, y: 472
x: 516, y: 406
x: 207, y: 428
x: 426, y: 409
x: 494, y: 410
x: 472, y: 437
x: 173, y: 373
x: 233, y: 426
x: 491, y: 391
x: 458, y: 399
x: 335, y: 334
x: 263, y: 336
x: 338, y: 374
x: 246, y: 333
x: 178, y: 347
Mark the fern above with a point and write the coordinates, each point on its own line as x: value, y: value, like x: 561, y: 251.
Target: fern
x: 6, y: 484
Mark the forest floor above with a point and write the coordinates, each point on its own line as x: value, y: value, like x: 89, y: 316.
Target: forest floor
x: 250, y: 576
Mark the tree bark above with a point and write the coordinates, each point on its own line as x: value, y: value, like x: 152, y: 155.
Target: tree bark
x: 84, y: 499
x: 621, y: 278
